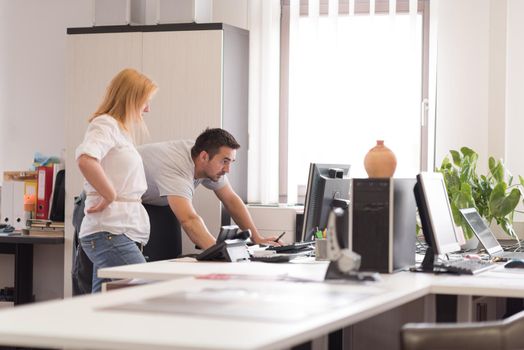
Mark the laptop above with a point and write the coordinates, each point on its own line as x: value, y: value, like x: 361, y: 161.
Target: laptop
x: 485, y: 236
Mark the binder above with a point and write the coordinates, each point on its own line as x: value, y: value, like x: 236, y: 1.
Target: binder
x: 57, y: 167
x: 13, y: 204
x: 7, y: 203
x: 44, y: 188
x: 57, y: 210
x: 16, y: 185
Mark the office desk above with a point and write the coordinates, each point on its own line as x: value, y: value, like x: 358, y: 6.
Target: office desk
x: 21, y: 246
x: 499, y: 282
x: 81, y: 323
x: 303, y: 268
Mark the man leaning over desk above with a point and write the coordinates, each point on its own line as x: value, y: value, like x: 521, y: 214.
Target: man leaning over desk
x: 175, y: 168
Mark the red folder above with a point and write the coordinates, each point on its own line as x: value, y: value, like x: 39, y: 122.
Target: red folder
x: 44, y: 190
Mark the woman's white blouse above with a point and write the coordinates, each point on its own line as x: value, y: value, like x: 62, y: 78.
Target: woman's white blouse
x: 105, y: 141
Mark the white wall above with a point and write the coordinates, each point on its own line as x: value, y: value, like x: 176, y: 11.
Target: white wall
x: 33, y: 76
x: 497, y: 80
x: 32, y: 83
x: 480, y: 100
x: 463, y: 77
x: 3, y: 72
x: 515, y: 87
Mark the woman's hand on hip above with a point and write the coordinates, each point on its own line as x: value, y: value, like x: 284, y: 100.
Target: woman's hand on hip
x: 100, y: 206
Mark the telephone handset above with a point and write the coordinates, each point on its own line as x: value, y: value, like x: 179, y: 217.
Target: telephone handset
x: 232, y: 250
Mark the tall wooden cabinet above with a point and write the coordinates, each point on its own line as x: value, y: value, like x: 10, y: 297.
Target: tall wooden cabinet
x: 202, y: 74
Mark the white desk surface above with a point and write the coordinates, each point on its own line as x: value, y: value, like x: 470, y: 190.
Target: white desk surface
x: 306, y: 268
x: 78, y: 323
x: 497, y: 282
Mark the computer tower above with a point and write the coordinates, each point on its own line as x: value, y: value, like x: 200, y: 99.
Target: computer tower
x: 383, y: 223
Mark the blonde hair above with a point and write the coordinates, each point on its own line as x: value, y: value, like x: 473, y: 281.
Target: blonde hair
x: 125, y: 96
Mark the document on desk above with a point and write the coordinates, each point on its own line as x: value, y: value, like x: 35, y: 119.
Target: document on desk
x: 243, y: 303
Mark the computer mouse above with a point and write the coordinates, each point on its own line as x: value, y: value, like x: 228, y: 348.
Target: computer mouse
x: 515, y: 263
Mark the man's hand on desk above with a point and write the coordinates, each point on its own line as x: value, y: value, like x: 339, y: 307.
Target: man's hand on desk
x: 267, y: 240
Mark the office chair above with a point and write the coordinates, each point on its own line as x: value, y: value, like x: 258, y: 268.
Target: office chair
x: 165, y: 240
x: 504, y: 334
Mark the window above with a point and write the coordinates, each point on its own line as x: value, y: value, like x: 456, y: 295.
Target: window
x: 352, y: 73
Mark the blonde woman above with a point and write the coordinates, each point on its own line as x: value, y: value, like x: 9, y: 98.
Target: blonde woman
x: 116, y: 225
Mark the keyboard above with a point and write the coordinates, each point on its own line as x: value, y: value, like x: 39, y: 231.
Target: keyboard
x: 293, y: 248
x: 274, y: 258
x: 466, y: 267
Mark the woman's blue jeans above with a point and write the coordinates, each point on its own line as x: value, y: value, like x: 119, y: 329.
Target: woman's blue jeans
x: 105, y: 249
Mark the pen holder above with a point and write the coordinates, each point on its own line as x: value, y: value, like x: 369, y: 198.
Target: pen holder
x: 321, y: 249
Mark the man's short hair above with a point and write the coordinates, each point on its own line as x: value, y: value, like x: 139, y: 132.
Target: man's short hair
x: 211, y: 140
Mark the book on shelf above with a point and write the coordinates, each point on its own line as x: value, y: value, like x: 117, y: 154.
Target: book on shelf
x: 45, y: 223
x: 37, y: 232
x: 44, y: 228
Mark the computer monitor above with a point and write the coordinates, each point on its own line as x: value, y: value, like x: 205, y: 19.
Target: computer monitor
x: 435, y: 216
x: 328, y: 187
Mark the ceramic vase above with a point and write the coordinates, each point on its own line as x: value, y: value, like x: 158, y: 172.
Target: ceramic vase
x: 380, y: 161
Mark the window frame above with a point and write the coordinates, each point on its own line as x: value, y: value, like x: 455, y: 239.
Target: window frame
x: 361, y: 7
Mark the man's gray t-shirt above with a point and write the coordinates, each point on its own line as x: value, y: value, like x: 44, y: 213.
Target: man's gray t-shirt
x: 170, y: 171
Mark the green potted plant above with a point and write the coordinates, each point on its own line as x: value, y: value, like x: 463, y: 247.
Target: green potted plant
x: 494, y: 195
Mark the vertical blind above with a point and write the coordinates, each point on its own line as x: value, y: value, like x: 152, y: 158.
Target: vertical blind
x: 355, y: 76
x: 264, y: 61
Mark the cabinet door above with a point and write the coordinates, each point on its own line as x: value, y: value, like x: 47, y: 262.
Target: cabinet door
x: 187, y: 66
x: 93, y: 60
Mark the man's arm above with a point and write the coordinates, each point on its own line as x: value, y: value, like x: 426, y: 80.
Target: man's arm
x: 238, y: 210
x: 191, y: 222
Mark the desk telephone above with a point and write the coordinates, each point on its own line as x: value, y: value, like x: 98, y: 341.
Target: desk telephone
x: 230, y: 246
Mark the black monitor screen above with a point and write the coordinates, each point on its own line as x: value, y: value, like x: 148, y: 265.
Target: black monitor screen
x: 435, y: 213
x: 327, y: 183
